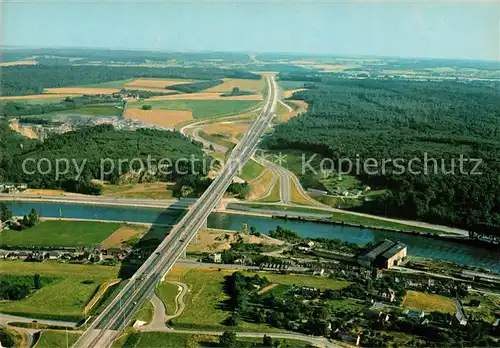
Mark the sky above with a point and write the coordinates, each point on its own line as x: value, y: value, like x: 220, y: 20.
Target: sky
x: 439, y: 29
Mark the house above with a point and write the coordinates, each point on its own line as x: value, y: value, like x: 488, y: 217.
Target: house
x: 53, y: 255
x: 215, y: 257
x: 113, y: 251
x: 23, y: 255
x: 414, y: 314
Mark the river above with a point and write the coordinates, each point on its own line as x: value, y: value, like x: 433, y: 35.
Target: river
x: 417, y: 245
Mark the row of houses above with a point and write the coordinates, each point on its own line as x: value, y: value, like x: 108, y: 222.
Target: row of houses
x: 93, y: 255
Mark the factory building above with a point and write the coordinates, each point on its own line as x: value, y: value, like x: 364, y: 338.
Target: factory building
x: 384, y: 254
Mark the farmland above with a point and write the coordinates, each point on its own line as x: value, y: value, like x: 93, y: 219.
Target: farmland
x: 37, y: 98
x: 201, y: 108
x: 162, y: 118
x: 122, y: 235
x: 428, y: 302
x: 75, y: 286
x: 60, y: 233
x: 81, y: 90
x: 242, y: 84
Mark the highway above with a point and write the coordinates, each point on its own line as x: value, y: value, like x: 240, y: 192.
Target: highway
x: 103, y: 330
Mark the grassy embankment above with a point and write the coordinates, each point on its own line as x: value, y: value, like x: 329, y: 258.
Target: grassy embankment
x: 75, y: 286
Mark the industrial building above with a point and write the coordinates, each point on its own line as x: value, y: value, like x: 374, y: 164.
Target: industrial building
x: 384, y: 254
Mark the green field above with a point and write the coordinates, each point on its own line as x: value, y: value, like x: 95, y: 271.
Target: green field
x: 167, y: 293
x: 428, y: 302
x: 291, y: 85
x: 97, y: 110
x: 56, y: 339
x: 53, y: 99
x: 111, y: 84
x: 178, y: 340
x: 65, y: 298
x: 206, y: 295
x: 60, y: 233
x: 250, y: 170
x: 202, y: 108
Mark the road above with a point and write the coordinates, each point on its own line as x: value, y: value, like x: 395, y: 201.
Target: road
x: 142, y: 284
x: 174, y: 203
x: 315, y: 340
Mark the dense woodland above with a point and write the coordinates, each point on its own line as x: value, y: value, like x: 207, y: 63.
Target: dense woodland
x: 14, y: 109
x: 195, y: 86
x: 401, y: 119
x: 32, y: 79
x: 88, y: 147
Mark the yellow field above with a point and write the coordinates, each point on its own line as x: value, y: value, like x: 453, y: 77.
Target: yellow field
x: 229, y: 129
x: 288, y: 94
x: 260, y: 186
x: 204, y: 96
x: 156, y: 83
x: 50, y: 192
x: 300, y: 107
x: 428, y: 302
x: 122, y: 235
x: 151, y: 190
x: 242, y: 84
x: 81, y: 90
x: 19, y: 62
x: 296, y: 195
x: 40, y: 96
x: 163, y: 118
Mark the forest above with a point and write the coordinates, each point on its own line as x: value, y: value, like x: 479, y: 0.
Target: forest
x: 195, y: 86
x: 14, y: 109
x: 113, y: 56
x: 405, y: 120
x: 99, y: 152
x: 32, y: 79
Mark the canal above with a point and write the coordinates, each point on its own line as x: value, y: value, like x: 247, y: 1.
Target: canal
x: 417, y: 245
